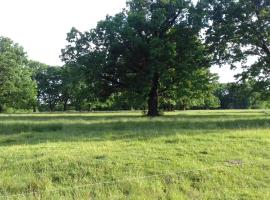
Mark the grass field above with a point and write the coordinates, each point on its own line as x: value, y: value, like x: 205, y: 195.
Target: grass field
x: 123, y: 155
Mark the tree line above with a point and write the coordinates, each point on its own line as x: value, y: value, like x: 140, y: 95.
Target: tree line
x: 154, y: 55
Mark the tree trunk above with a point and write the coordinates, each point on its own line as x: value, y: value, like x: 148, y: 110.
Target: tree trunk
x: 34, y: 108
x: 65, y: 105
x: 184, y: 108
x: 1, y: 108
x: 50, y: 107
x: 153, y: 97
x: 78, y: 106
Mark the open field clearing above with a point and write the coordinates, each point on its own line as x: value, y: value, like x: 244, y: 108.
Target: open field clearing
x: 123, y: 155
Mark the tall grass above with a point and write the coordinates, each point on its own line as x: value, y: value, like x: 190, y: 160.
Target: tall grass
x: 182, y: 155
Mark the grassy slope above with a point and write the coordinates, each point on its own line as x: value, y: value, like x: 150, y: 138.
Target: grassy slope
x: 183, y: 155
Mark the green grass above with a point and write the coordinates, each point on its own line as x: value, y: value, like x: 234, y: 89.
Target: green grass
x: 123, y: 155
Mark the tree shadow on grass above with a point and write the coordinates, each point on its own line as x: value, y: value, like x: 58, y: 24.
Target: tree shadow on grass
x: 110, y: 116
x: 64, y: 117
x: 34, y: 133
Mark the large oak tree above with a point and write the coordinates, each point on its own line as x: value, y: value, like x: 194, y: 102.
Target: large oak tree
x: 151, y: 47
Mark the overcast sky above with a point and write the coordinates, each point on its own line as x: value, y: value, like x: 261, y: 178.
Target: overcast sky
x: 40, y: 26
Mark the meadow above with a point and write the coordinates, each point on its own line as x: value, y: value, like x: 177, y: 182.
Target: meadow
x: 125, y: 155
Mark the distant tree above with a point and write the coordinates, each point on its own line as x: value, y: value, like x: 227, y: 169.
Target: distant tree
x: 17, y: 89
x: 195, y: 91
x: 198, y: 91
x: 73, y: 88
x: 239, y: 96
x: 127, y: 101
x: 150, y: 47
x: 36, y: 69
x: 67, y: 86
x: 237, y: 31
x: 49, y: 86
x: 58, y: 86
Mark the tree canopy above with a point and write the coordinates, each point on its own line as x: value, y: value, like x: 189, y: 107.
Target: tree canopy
x: 149, y: 48
x: 155, y: 54
x: 238, y: 31
x: 17, y: 89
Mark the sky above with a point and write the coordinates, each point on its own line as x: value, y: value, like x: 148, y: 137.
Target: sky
x: 40, y: 26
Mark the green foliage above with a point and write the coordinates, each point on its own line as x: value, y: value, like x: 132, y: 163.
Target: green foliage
x: 60, y: 87
x: 49, y: 86
x: 240, y: 96
x: 237, y: 31
x: 74, y: 90
x: 17, y: 89
x: 153, y: 55
x: 151, y: 46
